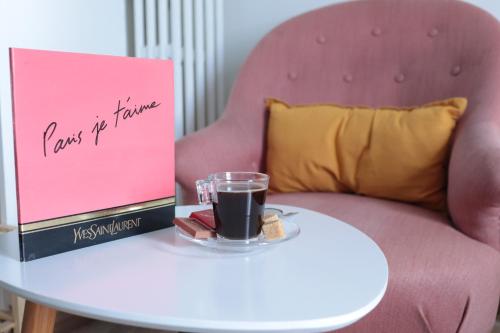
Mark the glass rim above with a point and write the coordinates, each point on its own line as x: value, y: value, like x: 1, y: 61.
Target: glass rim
x: 243, y: 176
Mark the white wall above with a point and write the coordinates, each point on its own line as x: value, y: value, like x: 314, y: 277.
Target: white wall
x: 246, y: 22
x: 92, y: 26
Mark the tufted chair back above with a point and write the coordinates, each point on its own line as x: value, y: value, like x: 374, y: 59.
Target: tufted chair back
x: 371, y: 52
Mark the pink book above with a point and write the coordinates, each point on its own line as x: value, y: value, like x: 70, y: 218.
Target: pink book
x: 94, y: 145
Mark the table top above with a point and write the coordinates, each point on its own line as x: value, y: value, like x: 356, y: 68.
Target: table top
x: 328, y: 277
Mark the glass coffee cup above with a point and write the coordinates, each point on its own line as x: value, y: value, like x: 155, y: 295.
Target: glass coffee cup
x: 238, y: 200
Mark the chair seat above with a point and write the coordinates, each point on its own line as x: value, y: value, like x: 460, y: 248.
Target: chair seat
x: 440, y: 280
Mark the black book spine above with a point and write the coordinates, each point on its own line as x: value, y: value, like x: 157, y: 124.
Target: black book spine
x: 52, y: 240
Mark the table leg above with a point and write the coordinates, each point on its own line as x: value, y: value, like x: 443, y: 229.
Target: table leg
x: 38, y: 318
x: 17, y: 305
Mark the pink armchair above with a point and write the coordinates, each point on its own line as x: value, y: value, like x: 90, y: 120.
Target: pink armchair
x: 444, y: 272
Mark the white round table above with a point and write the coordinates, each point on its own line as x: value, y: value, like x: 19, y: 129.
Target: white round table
x: 328, y: 277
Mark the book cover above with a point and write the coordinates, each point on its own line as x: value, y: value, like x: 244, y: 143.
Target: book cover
x: 94, y: 148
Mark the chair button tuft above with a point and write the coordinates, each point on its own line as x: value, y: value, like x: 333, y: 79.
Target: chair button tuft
x: 433, y: 33
x: 321, y: 39
x: 376, y: 32
x: 292, y: 76
x: 347, y: 78
x: 399, y: 78
x: 456, y: 70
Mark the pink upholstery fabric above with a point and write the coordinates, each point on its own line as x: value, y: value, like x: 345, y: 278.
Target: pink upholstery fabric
x: 439, y: 279
x: 386, y: 52
x: 474, y: 177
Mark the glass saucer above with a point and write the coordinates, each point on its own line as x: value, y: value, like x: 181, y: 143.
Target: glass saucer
x: 291, y: 229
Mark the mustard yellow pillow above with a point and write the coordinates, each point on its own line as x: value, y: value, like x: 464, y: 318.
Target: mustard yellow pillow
x: 391, y: 153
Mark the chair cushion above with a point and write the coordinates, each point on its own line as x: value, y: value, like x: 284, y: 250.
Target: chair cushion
x: 392, y: 153
x: 440, y: 280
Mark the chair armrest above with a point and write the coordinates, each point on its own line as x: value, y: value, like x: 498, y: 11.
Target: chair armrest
x: 225, y: 145
x: 474, y: 182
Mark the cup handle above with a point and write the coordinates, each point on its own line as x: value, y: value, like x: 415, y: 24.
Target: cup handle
x: 204, y: 190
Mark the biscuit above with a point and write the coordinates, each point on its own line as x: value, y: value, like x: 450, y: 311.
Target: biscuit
x: 273, y: 230
x: 270, y: 217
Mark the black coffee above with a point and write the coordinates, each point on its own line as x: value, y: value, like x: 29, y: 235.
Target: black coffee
x: 238, y: 210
